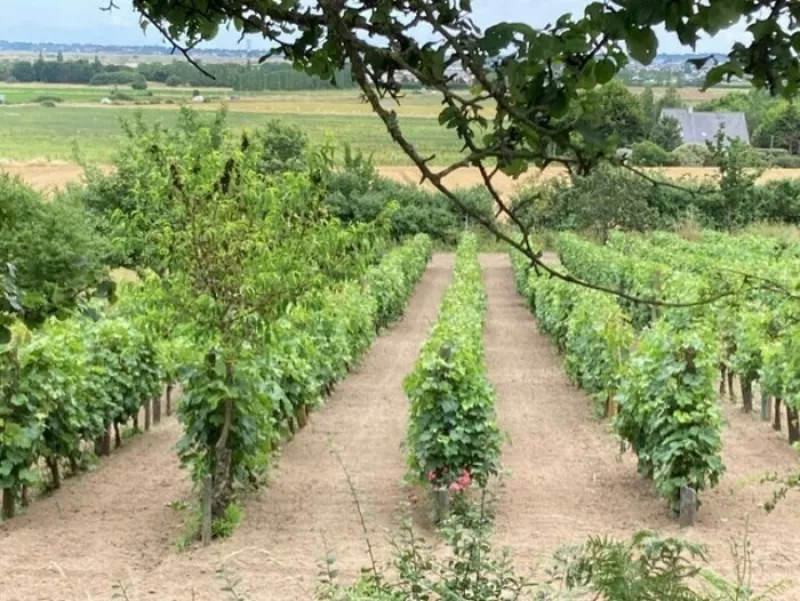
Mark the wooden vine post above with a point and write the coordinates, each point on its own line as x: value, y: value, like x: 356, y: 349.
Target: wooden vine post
x: 8, y: 508
x: 688, y: 508
x: 747, y: 394
x: 147, y: 414
x: 792, y: 424
x: 156, y: 410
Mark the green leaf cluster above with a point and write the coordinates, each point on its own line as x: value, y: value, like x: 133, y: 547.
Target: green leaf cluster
x: 589, y: 327
x: 668, y: 408
x: 274, y: 381
x: 452, y: 424
x: 67, y: 383
x: 57, y: 257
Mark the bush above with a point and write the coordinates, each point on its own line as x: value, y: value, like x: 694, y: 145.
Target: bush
x: 139, y: 84
x: 788, y: 161
x: 606, y: 199
x: 50, y: 99
x: 49, y: 104
x: 121, y: 96
x: 691, y: 155
x: 284, y: 147
x: 173, y: 81
x: 650, y: 154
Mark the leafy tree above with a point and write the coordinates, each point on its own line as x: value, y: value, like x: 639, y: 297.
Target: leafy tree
x: 173, y: 81
x: 532, y: 77
x: 650, y: 154
x: 781, y: 128
x: 649, y: 110
x: 754, y: 104
x: 667, y: 133
x: 613, y: 112
x: 57, y: 257
x: 735, y: 205
x: 670, y: 100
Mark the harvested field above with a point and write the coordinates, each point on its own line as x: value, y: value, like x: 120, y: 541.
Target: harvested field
x: 46, y: 175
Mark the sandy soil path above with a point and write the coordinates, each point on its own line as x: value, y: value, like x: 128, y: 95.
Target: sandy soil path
x: 567, y: 481
x: 113, y: 526
x: 100, y: 527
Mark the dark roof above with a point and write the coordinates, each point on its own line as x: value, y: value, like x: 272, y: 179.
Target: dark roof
x: 696, y: 128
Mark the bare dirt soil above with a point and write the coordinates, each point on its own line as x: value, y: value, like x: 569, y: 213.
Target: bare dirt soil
x: 45, y: 175
x: 568, y: 481
x: 113, y: 526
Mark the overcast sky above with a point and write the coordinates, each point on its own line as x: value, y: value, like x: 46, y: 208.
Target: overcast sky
x: 67, y: 21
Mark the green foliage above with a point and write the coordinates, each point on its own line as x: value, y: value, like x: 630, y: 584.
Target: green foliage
x: 452, y: 429
x: 779, y: 128
x: 646, y: 567
x: 67, y: 383
x: 670, y: 100
x: 649, y: 110
x: 283, y: 147
x: 650, y: 154
x: 301, y: 353
x: 609, y: 198
x: 663, y: 382
x: 226, y: 525
x: 119, y: 78
x: 691, y: 155
x: 668, y: 410
x: 667, y: 133
x: 139, y: 84
x: 173, y: 81
x: 357, y: 193
x: 612, y: 112
x: 734, y: 206
x: 58, y: 258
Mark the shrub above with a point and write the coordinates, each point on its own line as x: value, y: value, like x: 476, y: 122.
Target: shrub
x: 284, y: 147
x: 173, y: 81
x: 139, y: 84
x: 50, y: 99
x: 787, y: 161
x: 121, y: 96
x: 691, y: 155
x: 650, y: 154
x: 49, y: 104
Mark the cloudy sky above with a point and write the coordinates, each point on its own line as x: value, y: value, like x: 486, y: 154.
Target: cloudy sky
x: 66, y: 21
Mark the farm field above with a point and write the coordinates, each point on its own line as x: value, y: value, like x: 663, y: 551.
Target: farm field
x: 114, y: 526
x: 45, y: 175
x: 31, y: 131
x: 37, y: 132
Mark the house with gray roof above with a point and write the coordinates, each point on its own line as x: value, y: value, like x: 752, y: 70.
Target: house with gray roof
x: 697, y: 128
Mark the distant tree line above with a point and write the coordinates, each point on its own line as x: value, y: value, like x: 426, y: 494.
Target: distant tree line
x: 244, y: 77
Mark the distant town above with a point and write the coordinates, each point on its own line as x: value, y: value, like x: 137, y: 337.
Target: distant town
x: 665, y: 70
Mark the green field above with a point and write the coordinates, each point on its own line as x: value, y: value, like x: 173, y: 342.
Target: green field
x: 39, y: 132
